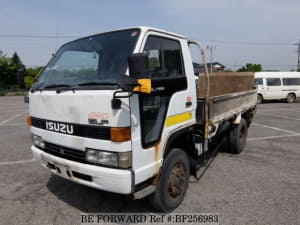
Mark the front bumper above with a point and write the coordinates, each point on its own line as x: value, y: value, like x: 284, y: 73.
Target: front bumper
x: 108, y: 179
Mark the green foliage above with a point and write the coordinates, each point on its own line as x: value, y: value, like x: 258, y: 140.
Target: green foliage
x: 16, y: 60
x: 249, y: 67
x: 33, y: 71
x: 153, y: 63
x: 28, y: 80
x: 8, y: 72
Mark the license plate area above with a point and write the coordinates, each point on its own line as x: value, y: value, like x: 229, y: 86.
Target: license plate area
x: 62, y: 170
x: 59, y: 168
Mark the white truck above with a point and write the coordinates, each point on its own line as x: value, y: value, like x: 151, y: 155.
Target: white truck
x: 119, y: 111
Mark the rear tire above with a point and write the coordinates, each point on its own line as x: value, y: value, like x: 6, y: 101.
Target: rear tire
x: 173, y: 181
x: 290, y: 98
x: 238, y: 137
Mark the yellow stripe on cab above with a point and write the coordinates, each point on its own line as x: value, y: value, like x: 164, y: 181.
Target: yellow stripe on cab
x: 179, y: 118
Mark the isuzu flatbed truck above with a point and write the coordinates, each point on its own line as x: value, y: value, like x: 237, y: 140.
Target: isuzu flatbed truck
x: 124, y: 112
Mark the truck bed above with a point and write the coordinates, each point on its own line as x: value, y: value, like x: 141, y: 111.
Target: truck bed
x: 225, y: 106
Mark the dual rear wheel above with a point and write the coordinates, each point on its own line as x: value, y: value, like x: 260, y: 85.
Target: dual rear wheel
x: 238, y: 137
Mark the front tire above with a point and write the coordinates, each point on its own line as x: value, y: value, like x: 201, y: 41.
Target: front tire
x: 173, y: 182
x: 238, y: 137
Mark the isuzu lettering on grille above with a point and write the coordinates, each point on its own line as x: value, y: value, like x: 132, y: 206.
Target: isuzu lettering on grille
x: 59, y: 127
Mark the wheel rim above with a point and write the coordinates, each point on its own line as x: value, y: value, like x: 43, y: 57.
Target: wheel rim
x: 177, y: 181
x: 290, y: 98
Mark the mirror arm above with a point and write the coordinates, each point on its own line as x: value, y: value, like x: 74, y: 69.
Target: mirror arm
x: 126, y: 96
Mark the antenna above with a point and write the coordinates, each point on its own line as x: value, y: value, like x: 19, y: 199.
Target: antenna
x: 298, y: 64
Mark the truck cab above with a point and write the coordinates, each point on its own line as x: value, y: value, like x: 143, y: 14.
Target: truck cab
x: 87, y: 129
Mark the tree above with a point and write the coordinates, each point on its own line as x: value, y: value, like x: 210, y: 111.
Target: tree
x: 8, y: 70
x: 249, y: 67
x: 33, y: 71
x: 16, y: 60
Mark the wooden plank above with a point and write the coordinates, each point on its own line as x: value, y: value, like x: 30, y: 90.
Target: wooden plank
x: 226, y: 83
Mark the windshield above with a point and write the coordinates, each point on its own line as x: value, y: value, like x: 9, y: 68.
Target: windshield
x: 92, y: 61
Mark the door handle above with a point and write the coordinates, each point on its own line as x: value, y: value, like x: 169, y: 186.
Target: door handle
x: 188, y: 104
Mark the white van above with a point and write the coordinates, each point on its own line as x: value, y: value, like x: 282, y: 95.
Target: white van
x: 277, y: 85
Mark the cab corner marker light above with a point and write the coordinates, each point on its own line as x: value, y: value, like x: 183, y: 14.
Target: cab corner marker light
x: 120, y: 134
x: 29, y: 120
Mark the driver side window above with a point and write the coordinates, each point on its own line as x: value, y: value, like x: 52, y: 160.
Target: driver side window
x: 165, y: 57
x: 153, y: 50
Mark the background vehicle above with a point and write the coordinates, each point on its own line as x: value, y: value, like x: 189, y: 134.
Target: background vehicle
x: 277, y: 86
x: 142, y: 133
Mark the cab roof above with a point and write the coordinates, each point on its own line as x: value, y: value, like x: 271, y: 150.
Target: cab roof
x: 143, y: 29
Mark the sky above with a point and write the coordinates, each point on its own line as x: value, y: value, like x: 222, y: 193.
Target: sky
x: 240, y: 31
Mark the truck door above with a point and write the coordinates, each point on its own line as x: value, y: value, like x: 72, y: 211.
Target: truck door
x: 167, y: 74
x: 168, y: 98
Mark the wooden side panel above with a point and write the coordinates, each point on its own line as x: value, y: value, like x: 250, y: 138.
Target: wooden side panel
x: 226, y: 106
x: 226, y: 83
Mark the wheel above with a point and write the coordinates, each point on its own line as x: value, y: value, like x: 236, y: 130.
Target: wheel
x: 290, y: 98
x: 173, y: 182
x: 238, y: 137
x: 259, y: 98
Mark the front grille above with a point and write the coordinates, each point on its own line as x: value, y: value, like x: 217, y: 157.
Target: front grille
x: 88, y: 131
x: 64, y: 152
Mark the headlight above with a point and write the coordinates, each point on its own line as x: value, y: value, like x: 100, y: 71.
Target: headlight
x: 38, y: 141
x: 122, y: 159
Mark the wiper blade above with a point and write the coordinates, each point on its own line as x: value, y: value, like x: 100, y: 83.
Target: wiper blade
x: 57, y: 85
x: 50, y: 86
x: 36, y: 89
x: 70, y: 88
x: 96, y: 83
x: 67, y: 87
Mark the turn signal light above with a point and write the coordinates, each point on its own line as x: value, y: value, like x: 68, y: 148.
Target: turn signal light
x: 120, y: 134
x: 29, y: 120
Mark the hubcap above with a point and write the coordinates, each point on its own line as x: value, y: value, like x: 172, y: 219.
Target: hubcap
x: 177, y: 180
x: 290, y: 98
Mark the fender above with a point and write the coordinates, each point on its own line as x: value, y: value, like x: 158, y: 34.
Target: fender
x: 172, y: 138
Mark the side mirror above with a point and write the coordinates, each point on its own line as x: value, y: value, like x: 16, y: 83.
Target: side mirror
x: 138, y: 65
x: 138, y: 79
x: 127, y: 83
x: 20, y: 78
